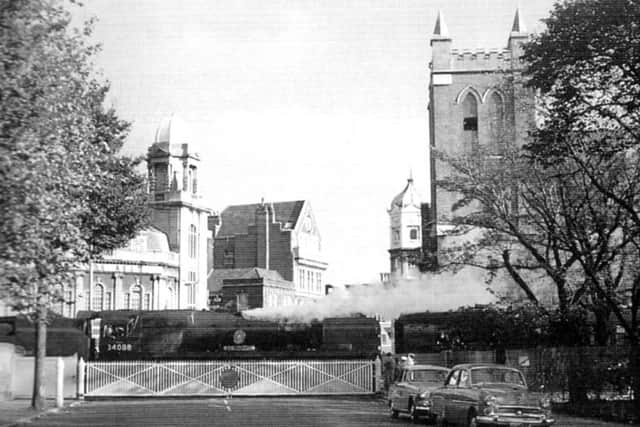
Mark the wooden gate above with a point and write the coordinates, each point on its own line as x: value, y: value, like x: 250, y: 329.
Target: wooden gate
x: 221, y: 378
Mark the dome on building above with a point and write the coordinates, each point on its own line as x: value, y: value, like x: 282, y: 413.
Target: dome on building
x: 172, y: 130
x: 407, y: 197
x: 157, y: 241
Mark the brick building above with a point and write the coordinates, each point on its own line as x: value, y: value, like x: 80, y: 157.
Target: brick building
x: 267, y: 254
x: 475, y: 100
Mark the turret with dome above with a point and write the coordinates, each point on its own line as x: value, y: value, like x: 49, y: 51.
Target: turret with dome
x: 405, y: 218
x: 176, y: 205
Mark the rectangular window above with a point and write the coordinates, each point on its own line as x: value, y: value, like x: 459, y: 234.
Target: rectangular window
x: 107, y: 301
x: 147, y: 301
x: 242, y: 301
x: 470, y: 123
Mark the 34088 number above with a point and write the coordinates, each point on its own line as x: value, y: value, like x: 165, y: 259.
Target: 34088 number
x: 119, y: 347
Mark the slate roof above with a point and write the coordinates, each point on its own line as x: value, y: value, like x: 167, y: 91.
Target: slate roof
x: 217, y: 276
x: 236, y: 219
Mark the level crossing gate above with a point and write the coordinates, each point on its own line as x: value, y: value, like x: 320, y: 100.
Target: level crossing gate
x: 226, y: 377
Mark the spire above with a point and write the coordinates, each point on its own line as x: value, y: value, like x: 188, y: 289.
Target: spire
x: 440, y: 31
x: 518, y: 23
x: 410, y: 175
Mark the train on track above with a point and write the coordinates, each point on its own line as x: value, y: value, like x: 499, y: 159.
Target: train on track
x: 191, y: 334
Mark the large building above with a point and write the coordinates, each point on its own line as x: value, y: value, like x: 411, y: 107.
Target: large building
x: 267, y: 254
x: 166, y: 265
x: 475, y: 101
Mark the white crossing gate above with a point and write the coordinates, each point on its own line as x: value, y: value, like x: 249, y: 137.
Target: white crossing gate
x: 225, y: 377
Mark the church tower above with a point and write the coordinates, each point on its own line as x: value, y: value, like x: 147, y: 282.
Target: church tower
x: 477, y: 104
x: 177, y: 209
x: 405, y: 248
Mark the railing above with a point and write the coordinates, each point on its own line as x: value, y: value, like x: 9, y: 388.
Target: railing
x: 220, y: 378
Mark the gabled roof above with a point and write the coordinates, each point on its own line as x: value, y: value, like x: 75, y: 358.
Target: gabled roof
x: 218, y: 276
x: 236, y: 219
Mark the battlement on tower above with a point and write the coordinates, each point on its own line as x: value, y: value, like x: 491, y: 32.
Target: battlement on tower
x: 480, y: 59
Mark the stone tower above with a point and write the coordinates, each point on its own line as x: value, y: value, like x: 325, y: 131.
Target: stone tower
x: 405, y: 219
x: 476, y: 101
x: 177, y: 209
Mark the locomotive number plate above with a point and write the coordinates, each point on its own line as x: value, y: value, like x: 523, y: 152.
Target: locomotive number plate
x: 119, y: 347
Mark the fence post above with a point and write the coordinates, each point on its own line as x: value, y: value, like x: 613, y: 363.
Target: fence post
x: 81, y: 372
x: 60, y: 383
x: 377, y: 374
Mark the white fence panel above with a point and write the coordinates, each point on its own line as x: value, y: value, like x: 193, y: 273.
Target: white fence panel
x: 220, y: 378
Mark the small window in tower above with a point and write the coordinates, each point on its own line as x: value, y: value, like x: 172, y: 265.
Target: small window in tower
x: 413, y: 234
x: 396, y: 235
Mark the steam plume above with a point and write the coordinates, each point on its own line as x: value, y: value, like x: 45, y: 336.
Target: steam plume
x: 431, y: 292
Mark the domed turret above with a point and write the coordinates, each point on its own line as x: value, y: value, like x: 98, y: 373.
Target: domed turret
x: 407, y: 197
x: 172, y: 130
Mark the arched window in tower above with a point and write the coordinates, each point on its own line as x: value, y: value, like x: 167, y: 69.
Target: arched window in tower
x: 413, y: 233
x: 135, y: 300
x: 470, y: 121
x: 98, y: 297
x: 496, y: 120
x: 193, y: 241
x: 161, y: 177
x: 194, y: 180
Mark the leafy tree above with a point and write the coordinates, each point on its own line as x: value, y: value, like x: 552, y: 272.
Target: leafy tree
x: 569, y: 202
x: 586, y: 64
x: 64, y: 193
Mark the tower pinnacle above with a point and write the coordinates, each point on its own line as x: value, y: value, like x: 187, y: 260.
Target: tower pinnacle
x: 440, y: 31
x: 518, y: 23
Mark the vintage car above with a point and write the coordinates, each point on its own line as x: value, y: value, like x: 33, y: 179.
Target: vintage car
x: 410, y: 392
x: 489, y: 394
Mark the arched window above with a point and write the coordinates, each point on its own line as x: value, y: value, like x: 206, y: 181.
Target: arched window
x: 194, y: 180
x: 470, y: 121
x: 170, y: 298
x: 496, y: 120
x: 135, y: 300
x: 97, y: 302
x: 57, y: 296
x: 413, y: 234
x: 193, y: 241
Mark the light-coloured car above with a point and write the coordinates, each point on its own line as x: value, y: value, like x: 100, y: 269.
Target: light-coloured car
x: 410, y: 392
x: 489, y: 394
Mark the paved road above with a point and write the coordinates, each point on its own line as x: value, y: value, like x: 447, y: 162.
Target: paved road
x: 263, y: 412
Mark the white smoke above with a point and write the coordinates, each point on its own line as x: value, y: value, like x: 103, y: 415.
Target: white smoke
x: 431, y: 292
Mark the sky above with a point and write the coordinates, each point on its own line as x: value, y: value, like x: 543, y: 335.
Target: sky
x: 286, y: 100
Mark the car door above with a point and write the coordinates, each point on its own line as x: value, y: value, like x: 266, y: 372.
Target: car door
x: 465, y: 396
x: 442, y: 403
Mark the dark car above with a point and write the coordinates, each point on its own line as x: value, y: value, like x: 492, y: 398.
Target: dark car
x: 489, y: 394
x: 410, y: 393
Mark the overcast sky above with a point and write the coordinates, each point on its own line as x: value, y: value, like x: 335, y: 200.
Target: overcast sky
x: 318, y: 100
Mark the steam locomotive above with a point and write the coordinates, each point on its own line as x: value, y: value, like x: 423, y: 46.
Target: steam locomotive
x: 190, y: 334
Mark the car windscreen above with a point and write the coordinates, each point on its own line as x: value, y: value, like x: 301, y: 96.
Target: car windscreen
x: 496, y: 375
x: 427, y: 376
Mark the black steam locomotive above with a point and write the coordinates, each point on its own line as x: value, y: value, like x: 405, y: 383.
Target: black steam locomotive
x: 190, y: 334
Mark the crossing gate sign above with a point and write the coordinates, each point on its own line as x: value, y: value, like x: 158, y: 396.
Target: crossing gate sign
x: 229, y: 378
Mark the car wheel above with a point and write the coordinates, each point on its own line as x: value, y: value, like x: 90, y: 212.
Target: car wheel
x: 393, y: 411
x: 413, y: 413
x: 472, y: 420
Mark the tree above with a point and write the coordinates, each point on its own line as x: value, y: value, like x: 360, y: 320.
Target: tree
x: 65, y: 195
x: 586, y: 65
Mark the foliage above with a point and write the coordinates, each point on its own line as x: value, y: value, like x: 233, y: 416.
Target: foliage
x: 65, y: 194
x: 505, y: 326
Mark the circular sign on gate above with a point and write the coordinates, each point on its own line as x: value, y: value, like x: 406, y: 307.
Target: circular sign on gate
x: 229, y: 378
